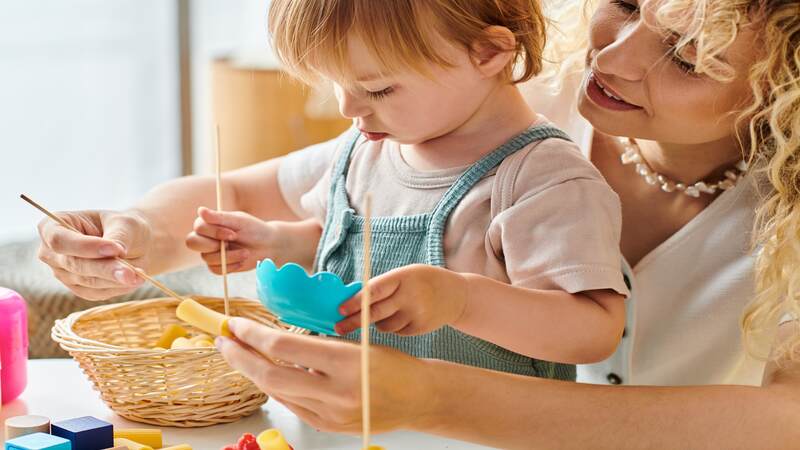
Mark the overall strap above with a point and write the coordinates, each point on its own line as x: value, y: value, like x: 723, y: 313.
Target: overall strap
x: 343, y: 163
x: 337, y: 196
x: 471, y: 177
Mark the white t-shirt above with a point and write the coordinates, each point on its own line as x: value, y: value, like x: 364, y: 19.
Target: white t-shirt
x: 687, y: 294
x: 543, y: 219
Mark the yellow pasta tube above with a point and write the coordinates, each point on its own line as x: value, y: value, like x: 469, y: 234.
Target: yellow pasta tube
x: 169, y: 335
x: 272, y: 439
x: 203, y: 318
x: 182, y: 342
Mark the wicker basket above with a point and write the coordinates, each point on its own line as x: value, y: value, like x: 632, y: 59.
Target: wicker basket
x: 180, y: 388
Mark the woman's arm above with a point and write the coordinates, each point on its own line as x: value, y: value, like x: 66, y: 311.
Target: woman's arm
x: 511, y: 411
x: 534, y: 413
x: 152, y: 234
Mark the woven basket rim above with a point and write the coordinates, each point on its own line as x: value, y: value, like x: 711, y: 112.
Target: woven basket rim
x: 62, y: 331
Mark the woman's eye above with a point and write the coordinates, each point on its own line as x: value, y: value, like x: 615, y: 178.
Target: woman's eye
x: 377, y: 95
x: 682, y: 64
x: 627, y: 7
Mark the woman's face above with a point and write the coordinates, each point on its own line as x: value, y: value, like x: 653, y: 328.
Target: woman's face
x: 659, y: 98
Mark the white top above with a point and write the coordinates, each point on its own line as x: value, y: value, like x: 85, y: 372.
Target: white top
x: 687, y: 294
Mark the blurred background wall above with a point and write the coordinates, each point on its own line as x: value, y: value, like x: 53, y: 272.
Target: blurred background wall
x: 101, y: 100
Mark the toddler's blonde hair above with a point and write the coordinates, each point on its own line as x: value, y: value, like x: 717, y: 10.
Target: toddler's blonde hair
x: 310, y: 36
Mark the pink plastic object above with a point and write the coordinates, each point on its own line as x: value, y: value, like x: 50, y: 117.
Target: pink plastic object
x: 13, y: 345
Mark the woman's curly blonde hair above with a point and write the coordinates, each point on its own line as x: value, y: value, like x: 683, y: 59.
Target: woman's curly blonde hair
x: 769, y: 132
x: 770, y: 140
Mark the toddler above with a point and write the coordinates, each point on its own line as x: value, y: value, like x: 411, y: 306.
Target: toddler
x: 495, y: 242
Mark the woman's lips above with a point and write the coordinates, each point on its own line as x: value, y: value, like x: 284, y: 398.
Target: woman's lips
x: 604, y: 97
x: 374, y: 136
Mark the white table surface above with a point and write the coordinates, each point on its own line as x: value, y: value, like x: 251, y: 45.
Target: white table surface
x: 59, y: 390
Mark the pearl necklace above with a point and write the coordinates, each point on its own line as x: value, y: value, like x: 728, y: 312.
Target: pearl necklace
x: 633, y: 155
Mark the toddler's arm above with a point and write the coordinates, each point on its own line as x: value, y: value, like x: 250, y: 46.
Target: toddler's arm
x: 551, y: 325
x: 250, y: 239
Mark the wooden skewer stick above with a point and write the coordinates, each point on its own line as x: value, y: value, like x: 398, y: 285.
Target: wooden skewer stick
x: 365, y: 320
x: 139, y: 271
x: 223, y: 250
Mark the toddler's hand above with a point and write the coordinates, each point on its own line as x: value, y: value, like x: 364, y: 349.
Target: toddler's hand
x: 409, y: 301
x: 249, y: 239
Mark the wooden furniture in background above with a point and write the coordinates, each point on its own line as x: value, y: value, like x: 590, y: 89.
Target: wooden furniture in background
x: 263, y: 114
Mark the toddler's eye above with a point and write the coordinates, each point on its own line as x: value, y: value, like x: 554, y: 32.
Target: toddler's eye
x: 377, y: 95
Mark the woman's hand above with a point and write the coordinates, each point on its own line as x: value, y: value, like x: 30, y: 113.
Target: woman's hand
x: 411, y: 300
x: 327, y: 395
x: 85, y: 262
x: 250, y: 239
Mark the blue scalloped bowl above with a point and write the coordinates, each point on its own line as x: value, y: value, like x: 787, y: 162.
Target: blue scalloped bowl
x: 307, y: 301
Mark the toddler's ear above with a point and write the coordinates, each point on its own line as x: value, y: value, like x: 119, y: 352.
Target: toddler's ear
x: 493, y: 52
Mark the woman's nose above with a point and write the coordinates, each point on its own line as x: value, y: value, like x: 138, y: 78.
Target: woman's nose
x: 627, y: 54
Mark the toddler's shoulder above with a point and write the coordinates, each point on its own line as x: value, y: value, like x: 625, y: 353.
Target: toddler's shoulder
x: 543, y: 165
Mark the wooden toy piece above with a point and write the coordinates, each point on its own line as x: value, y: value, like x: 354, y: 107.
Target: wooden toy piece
x: 169, y: 335
x: 203, y: 318
x: 38, y: 441
x: 272, y: 439
x: 181, y: 342
x: 22, y: 425
x: 223, y: 246
x: 146, y: 436
x: 85, y: 433
x: 118, y: 447
x: 130, y: 445
x: 178, y: 447
x: 375, y: 447
x: 366, y: 302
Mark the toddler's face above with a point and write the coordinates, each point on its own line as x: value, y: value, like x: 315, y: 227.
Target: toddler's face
x: 661, y: 99
x: 409, y: 107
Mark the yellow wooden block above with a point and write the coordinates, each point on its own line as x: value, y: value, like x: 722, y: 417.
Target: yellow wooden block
x: 122, y: 442
x: 178, y: 447
x: 203, y: 318
x: 146, y: 436
x: 182, y: 342
x: 272, y: 439
x: 169, y: 335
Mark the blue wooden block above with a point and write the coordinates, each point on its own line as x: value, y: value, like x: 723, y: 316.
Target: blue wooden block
x: 85, y: 433
x: 38, y: 441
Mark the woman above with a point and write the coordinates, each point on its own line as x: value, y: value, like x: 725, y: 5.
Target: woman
x: 696, y: 101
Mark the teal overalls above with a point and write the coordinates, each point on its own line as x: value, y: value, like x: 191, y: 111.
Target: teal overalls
x: 405, y: 240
